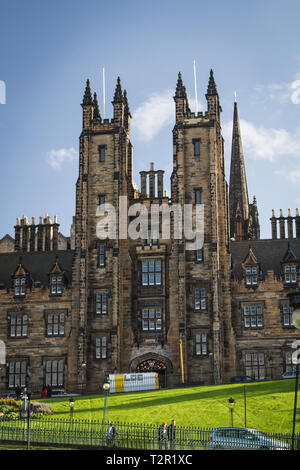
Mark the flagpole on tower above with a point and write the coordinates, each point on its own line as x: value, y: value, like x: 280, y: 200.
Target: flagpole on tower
x: 195, y: 81
x: 103, y: 87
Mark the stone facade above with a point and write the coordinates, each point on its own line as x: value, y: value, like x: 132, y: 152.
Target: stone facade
x: 74, y: 309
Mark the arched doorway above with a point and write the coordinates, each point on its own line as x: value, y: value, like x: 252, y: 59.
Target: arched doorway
x: 152, y: 362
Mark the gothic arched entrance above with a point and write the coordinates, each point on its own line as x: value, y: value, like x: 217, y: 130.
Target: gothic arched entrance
x: 152, y: 362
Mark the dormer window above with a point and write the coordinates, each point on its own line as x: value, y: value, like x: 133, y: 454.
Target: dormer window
x: 56, y: 280
x: 251, y: 275
x: 56, y: 285
x: 290, y: 273
x: 20, y: 287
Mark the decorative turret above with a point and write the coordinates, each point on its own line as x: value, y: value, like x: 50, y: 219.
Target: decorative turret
x: 87, y: 106
x: 181, y: 100
x: 96, y: 114
x: 213, y: 106
x: 127, y: 114
x: 118, y: 104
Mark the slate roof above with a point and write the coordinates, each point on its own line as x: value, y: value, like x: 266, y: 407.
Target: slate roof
x: 269, y: 254
x: 37, y: 264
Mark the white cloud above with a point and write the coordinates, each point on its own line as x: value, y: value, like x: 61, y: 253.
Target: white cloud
x: 266, y: 144
x: 282, y: 92
x: 57, y: 158
x: 152, y: 115
x: 155, y: 113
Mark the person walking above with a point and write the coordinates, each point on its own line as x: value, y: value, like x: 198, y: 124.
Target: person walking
x: 171, y: 431
x: 44, y: 392
x: 18, y: 392
x: 163, y: 436
x: 111, y: 435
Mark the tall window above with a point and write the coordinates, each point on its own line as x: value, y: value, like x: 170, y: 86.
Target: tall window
x: 55, y: 373
x: 101, y: 151
x: 253, y: 316
x: 101, y: 348
x: 290, y: 273
x: 255, y: 365
x: 201, y: 344
x: 20, y: 286
x: 200, y: 299
x: 151, y: 319
x: 196, y: 143
x: 56, y: 324
x: 101, y: 304
x: 101, y: 199
x: 151, y: 273
x: 101, y: 256
x: 251, y: 275
x: 198, y: 196
x: 199, y: 255
x: 56, y: 285
x: 18, y: 326
x: 287, y: 313
x: 17, y: 371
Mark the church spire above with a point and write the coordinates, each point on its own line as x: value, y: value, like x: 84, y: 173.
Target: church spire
x: 238, y: 191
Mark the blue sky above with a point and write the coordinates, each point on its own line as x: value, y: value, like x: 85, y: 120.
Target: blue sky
x: 49, y: 49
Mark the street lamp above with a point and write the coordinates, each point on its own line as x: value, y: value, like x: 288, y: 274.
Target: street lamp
x: 106, y: 388
x: 294, y: 298
x: 71, y: 403
x: 231, y: 402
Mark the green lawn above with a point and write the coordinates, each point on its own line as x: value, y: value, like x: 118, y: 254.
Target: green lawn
x: 269, y: 406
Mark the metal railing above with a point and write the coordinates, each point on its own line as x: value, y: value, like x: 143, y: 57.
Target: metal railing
x: 137, y: 436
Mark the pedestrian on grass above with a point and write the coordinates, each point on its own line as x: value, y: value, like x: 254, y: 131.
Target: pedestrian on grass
x: 44, y: 392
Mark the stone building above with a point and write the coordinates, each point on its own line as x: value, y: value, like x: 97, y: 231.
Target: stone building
x: 74, y: 309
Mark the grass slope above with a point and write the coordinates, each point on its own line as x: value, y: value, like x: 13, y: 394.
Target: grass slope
x: 269, y: 406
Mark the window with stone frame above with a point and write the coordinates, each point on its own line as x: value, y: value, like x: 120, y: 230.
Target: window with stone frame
x: 199, y: 255
x: 287, y: 312
x: 101, y: 303
x: 17, y: 373
x: 253, y: 316
x: 251, y: 275
x: 54, y: 372
x: 290, y: 273
x: 55, y: 324
x: 101, y: 256
x: 20, y: 286
x: 198, y: 196
x: 101, y: 199
x: 196, y: 143
x: 151, y: 319
x: 201, y: 348
x: 152, y: 273
x: 56, y: 284
x: 255, y: 365
x: 18, y: 326
x: 101, y: 152
x: 101, y: 347
x: 200, y: 300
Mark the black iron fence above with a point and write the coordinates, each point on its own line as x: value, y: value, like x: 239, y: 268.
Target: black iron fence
x: 137, y: 436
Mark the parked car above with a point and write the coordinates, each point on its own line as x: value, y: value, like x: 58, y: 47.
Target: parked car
x: 244, y: 438
x: 241, y: 379
x: 61, y: 393
x: 290, y: 374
